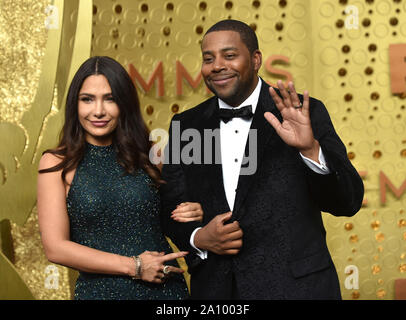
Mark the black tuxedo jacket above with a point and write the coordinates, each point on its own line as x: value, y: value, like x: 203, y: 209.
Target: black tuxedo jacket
x: 284, y: 253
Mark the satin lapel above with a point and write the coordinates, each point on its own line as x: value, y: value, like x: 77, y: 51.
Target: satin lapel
x: 212, y: 169
x: 265, y: 135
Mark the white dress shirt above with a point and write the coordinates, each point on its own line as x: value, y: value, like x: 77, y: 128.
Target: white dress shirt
x: 233, y: 138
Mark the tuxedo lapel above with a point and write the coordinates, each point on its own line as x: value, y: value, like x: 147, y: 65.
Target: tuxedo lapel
x: 213, y: 170
x: 266, y: 134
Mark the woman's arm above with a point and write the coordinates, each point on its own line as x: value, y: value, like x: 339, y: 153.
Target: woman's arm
x: 54, y: 228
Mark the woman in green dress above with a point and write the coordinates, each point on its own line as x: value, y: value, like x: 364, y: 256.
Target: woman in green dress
x: 98, y: 201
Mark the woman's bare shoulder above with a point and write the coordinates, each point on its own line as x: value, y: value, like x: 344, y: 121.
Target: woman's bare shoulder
x: 49, y: 160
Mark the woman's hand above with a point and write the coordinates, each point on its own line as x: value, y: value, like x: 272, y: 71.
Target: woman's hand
x: 153, y: 264
x: 188, y: 211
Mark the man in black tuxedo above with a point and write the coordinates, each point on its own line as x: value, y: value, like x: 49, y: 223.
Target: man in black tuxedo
x: 274, y: 166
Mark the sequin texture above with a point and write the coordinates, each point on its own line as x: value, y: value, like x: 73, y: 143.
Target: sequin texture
x: 116, y: 212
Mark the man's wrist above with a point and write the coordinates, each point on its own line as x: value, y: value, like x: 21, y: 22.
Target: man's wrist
x: 312, y: 152
x: 320, y: 167
x: 199, y: 239
x: 200, y: 252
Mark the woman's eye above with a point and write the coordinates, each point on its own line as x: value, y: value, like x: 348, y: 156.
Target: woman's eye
x: 85, y: 99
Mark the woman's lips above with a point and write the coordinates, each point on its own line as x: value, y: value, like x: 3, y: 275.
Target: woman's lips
x: 99, y: 123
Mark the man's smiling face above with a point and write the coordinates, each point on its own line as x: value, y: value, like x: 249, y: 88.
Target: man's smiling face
x: 228, y: 68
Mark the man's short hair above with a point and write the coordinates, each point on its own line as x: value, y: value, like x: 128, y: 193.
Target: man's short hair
x: 247, y: 35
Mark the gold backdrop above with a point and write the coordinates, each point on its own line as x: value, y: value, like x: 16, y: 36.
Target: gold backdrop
x: 337, y: 49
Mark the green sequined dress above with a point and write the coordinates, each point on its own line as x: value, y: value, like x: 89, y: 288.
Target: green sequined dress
x: 118, y: 213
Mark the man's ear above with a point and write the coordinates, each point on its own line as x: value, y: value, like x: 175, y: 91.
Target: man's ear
x: 257, y: 59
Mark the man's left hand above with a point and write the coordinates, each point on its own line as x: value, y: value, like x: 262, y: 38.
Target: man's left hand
x: 295, y: 129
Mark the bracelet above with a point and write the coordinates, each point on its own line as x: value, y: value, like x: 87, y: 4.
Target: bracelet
x: 138, y: 267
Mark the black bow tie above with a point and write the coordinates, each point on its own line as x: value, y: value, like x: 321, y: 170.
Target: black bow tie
x: 227, y: 114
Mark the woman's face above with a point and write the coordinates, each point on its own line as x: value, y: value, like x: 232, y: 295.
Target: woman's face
x: 98, y: 112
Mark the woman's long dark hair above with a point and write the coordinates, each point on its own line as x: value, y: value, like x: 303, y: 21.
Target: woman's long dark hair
x: 131, y: 136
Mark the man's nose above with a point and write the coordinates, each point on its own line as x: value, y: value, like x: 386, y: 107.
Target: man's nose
x: 218, y: 65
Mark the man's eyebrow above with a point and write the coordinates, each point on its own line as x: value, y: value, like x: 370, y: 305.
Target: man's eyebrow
x: 229, y: 49
x: 222, y: 50
x: 207, y: 52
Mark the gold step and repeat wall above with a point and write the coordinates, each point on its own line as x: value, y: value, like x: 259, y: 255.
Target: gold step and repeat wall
x: 349, y: 54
